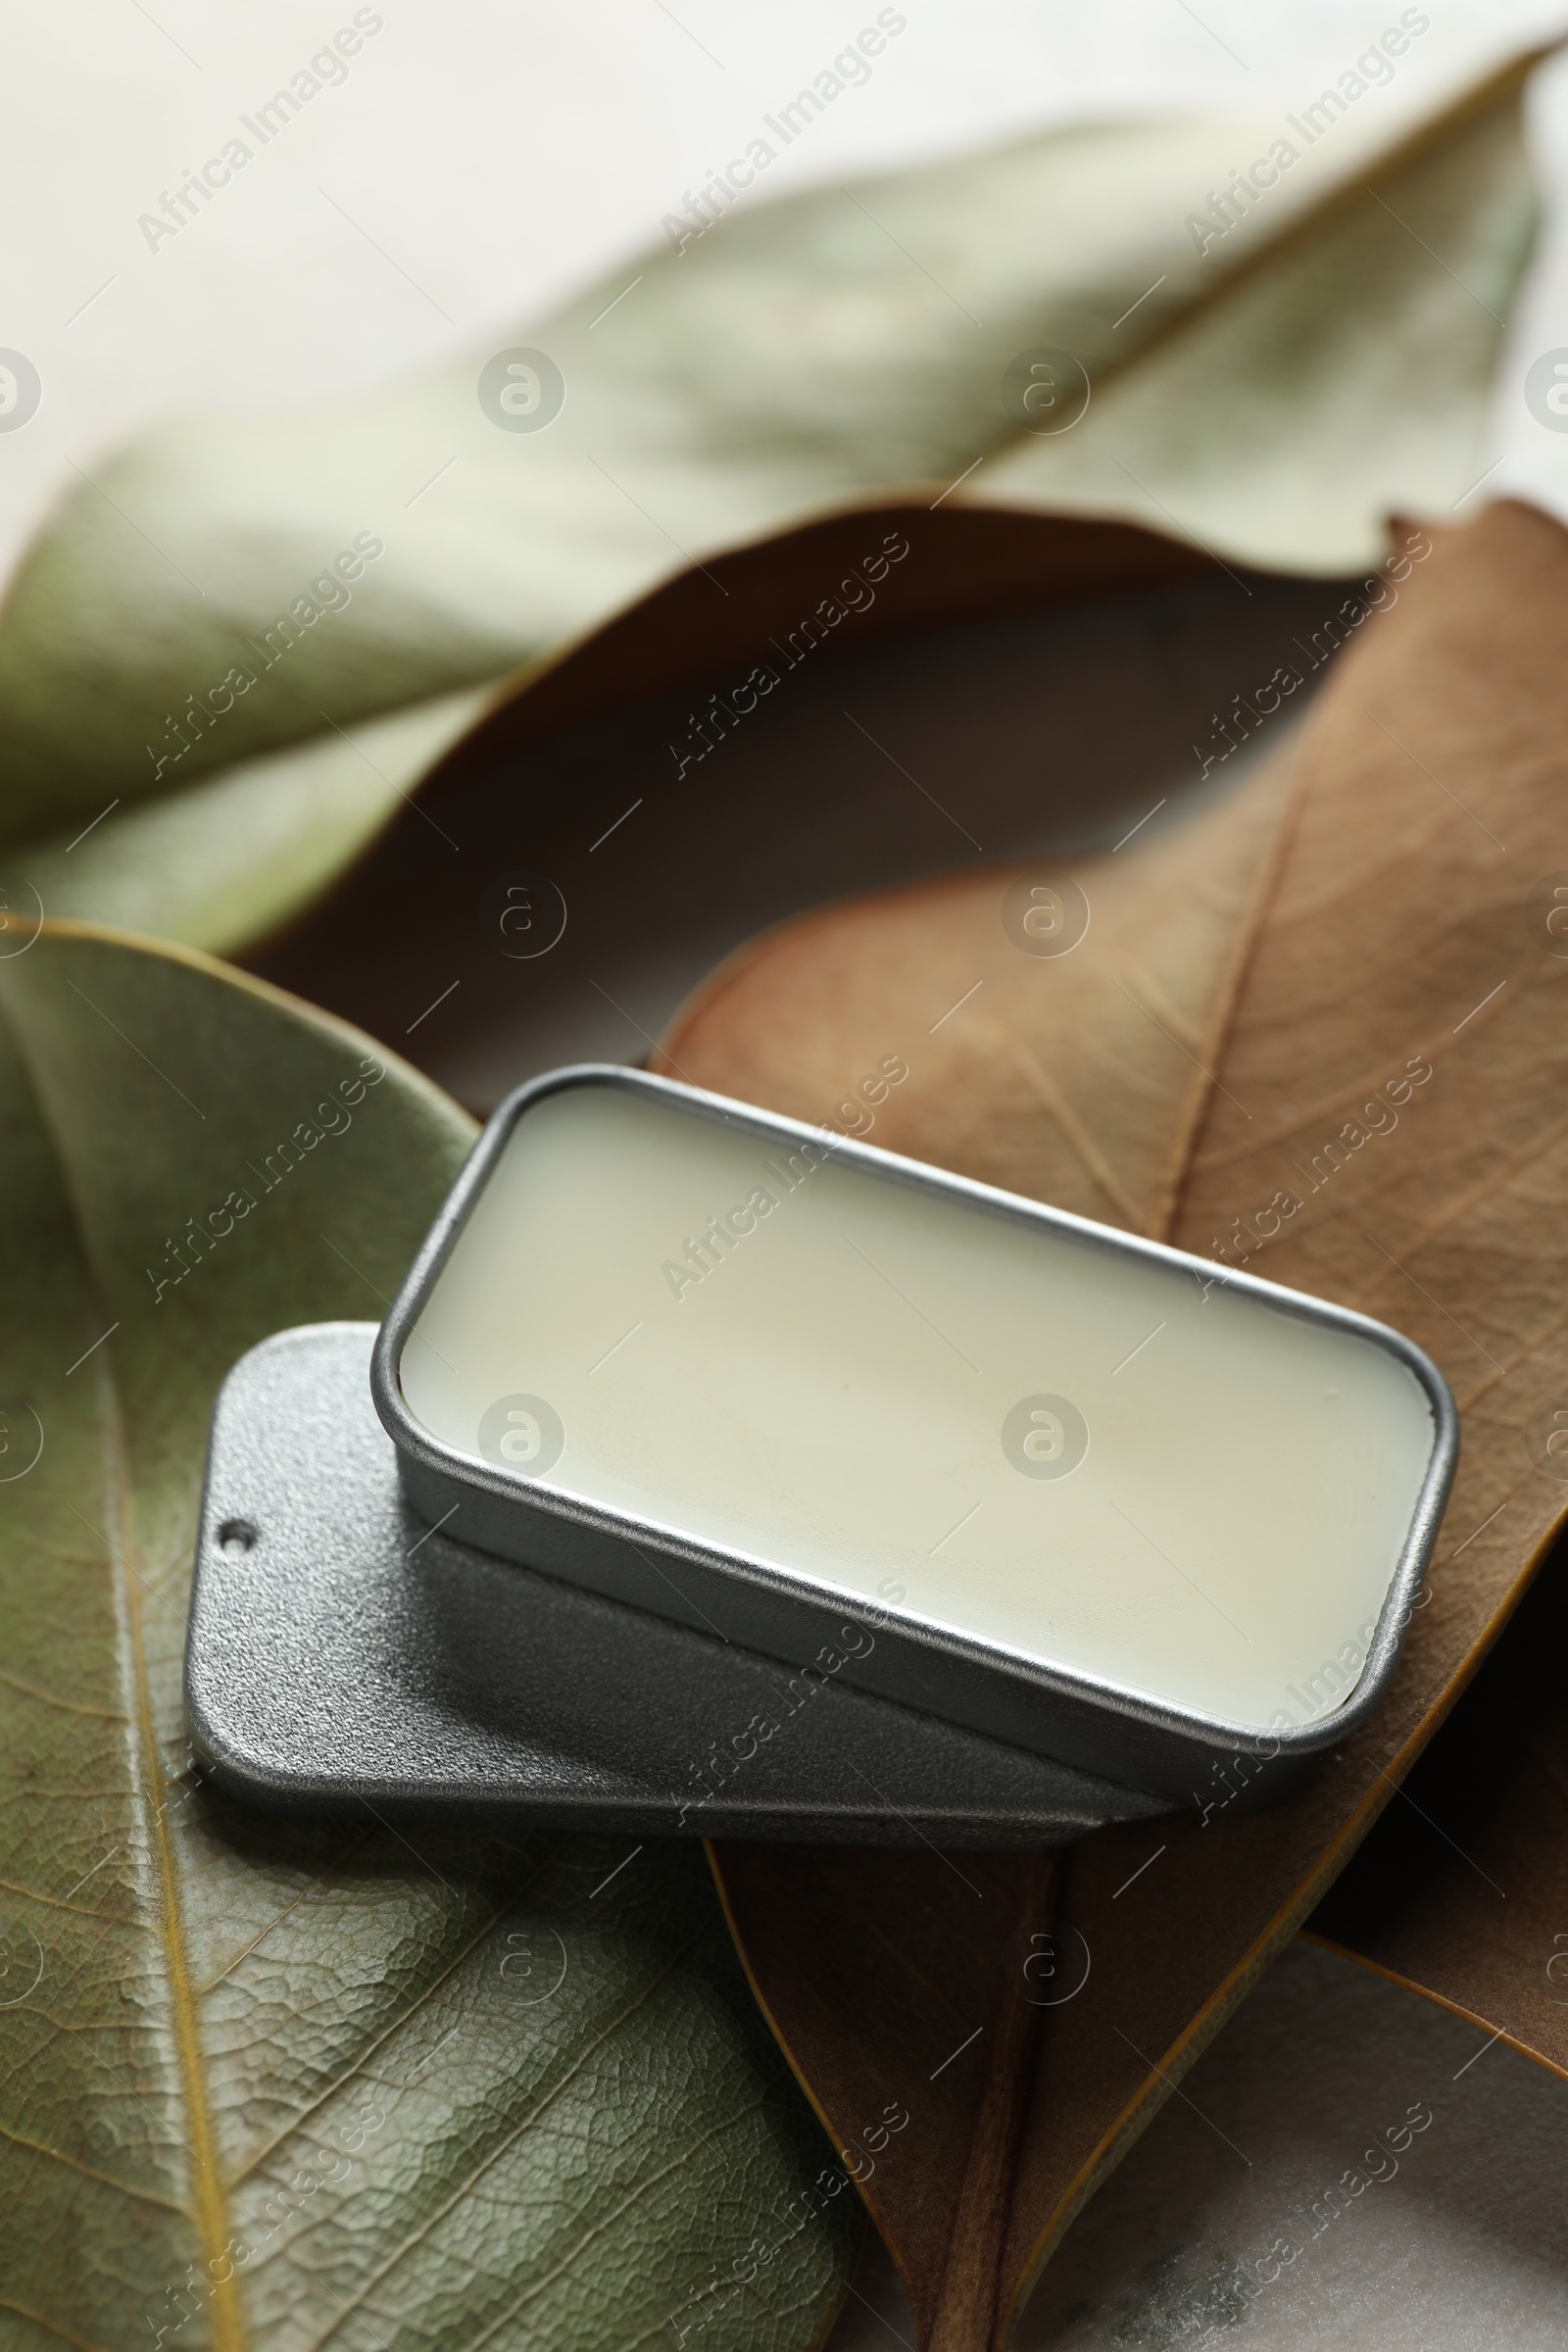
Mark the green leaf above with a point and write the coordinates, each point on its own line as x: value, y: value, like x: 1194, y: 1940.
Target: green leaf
x: 1273, y: 395
x: 267, y: 2082
x: 229, y: 858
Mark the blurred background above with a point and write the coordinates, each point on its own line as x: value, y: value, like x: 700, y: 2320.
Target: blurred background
x: 483, y: 157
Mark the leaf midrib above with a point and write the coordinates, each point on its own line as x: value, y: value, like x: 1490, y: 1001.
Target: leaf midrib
x: 1340, y: 199
x: 207, y: 2213
x: 1227, y: 1002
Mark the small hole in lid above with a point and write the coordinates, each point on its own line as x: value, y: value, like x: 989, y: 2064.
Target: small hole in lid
x: 236, y: 1536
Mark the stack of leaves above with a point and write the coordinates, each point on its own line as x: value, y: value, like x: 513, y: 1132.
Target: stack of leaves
x: 196, y: 628
x: 286, y: 2083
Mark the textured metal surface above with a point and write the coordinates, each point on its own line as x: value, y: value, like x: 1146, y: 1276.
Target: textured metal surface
x: 341, y: 1653
x: 1008, y: 1694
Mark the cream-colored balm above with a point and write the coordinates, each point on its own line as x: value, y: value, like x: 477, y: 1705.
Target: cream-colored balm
x: 1096, y: 1460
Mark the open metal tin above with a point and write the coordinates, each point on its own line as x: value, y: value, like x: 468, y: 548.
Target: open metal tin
x: 655, y: 1474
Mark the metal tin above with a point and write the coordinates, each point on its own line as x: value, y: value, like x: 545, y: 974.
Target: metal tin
x: 988, y: 1686
x: 342, y: 1654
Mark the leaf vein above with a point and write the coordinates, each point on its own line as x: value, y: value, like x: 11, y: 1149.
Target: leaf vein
x: 90, y: 2172
x: 526, y: 2123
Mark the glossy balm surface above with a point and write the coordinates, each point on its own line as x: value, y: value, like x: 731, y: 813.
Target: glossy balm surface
x: 1089, y: 1457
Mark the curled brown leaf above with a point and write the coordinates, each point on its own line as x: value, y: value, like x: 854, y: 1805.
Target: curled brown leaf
x: 1318, y: 1030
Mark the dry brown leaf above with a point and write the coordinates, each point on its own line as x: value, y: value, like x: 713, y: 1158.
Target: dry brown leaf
x: 1462, y: 1890
x: 1251, y: 987
x: 415, y: 916
x: 1066, y: 1077
x: 911, y: 1940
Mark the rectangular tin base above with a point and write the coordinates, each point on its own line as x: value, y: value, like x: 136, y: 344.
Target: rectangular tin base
x: 342, y: 1653
x: 686, y: 1502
